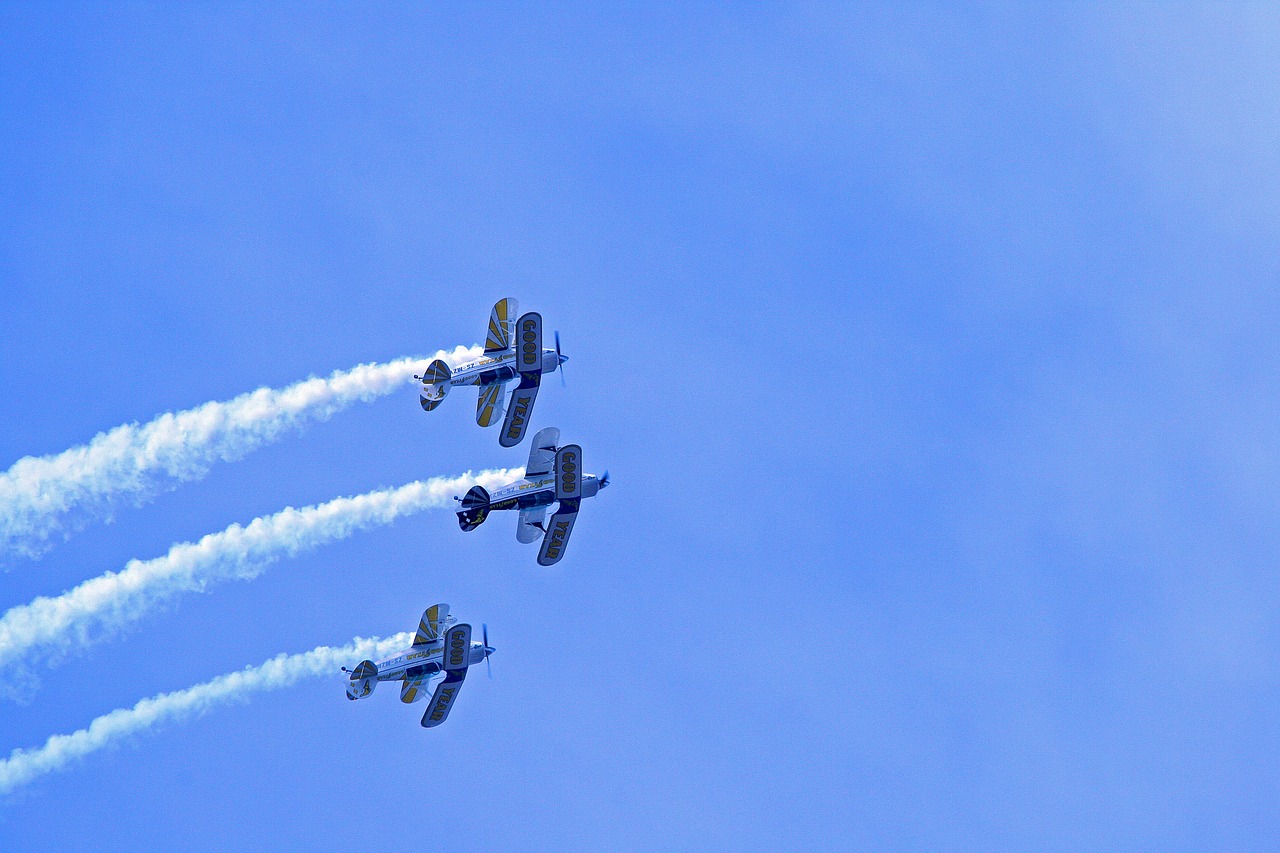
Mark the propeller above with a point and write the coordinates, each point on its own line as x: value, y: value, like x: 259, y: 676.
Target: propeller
x: 560, y: 359
x: 604, y: 478
x: 484, y: 634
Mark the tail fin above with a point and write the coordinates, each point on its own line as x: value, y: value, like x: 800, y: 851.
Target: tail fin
x: 435, y: 384
x: 475, y: 508
x: 363, y: 679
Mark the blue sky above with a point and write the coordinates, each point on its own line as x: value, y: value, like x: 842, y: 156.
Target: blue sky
x: 931, y: 351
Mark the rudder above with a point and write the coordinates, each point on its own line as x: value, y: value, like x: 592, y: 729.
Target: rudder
x: 475, y: 508
x: 363, y: 679
x: 435, y: 384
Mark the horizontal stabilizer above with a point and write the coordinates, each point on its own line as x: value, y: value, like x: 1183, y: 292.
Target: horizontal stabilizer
x: 477, y: 496
x: 475, y: 508
x: 435, y: 384
x: 470, y: 519
x: 446, y: 693
x: 438, y: 373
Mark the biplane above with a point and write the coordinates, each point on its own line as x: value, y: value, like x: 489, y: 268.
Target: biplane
x: 553, y: 474
x: 441, y: 652
x: 512, y: 350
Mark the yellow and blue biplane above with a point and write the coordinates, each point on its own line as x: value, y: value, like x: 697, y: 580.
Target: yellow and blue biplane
x: 554, y: 473
x: 512, y: 350
x: 441, y: 652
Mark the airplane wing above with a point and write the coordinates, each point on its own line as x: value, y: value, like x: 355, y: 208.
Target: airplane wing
x: 568, y: 474
x: 415, y: 689
x: 557, y: 535
x: 528, y: 346
x: 442, y: 699
x: 429, y: 628
x: 529, y: 529
x: 489, y: 406
x: 501, y: 320
x: 457, y: 657
x: 542, y: 455
x: 519, y: 410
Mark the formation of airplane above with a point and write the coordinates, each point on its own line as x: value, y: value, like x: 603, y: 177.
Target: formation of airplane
x: 512, y: 350
x: 441, y: 652
x: 436, y: 664
x: 553, y: 474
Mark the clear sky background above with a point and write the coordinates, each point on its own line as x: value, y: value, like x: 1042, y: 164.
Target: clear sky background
x: 932, y: 353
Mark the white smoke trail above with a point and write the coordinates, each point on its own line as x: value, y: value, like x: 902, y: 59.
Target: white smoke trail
x: 42, y: 496
x: 25, y: 765
x: 111, y: 601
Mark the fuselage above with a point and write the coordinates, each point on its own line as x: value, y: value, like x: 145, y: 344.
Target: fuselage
x: 493, y: 369
x: 536, y: 491
x: 421, y: 660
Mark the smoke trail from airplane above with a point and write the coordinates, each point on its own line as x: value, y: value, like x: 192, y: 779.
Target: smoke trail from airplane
x: 43, y: 496
x: 25, y: 765
x: 111, y: 601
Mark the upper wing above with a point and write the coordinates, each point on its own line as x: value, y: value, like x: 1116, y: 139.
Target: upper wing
x: 542, y: 455
x: 501, y: 321
x: 429, y: 628
x: 530, y: 527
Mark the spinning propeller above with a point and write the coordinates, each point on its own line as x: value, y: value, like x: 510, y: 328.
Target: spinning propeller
x: 560, y: 359
x: 484, y: 629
